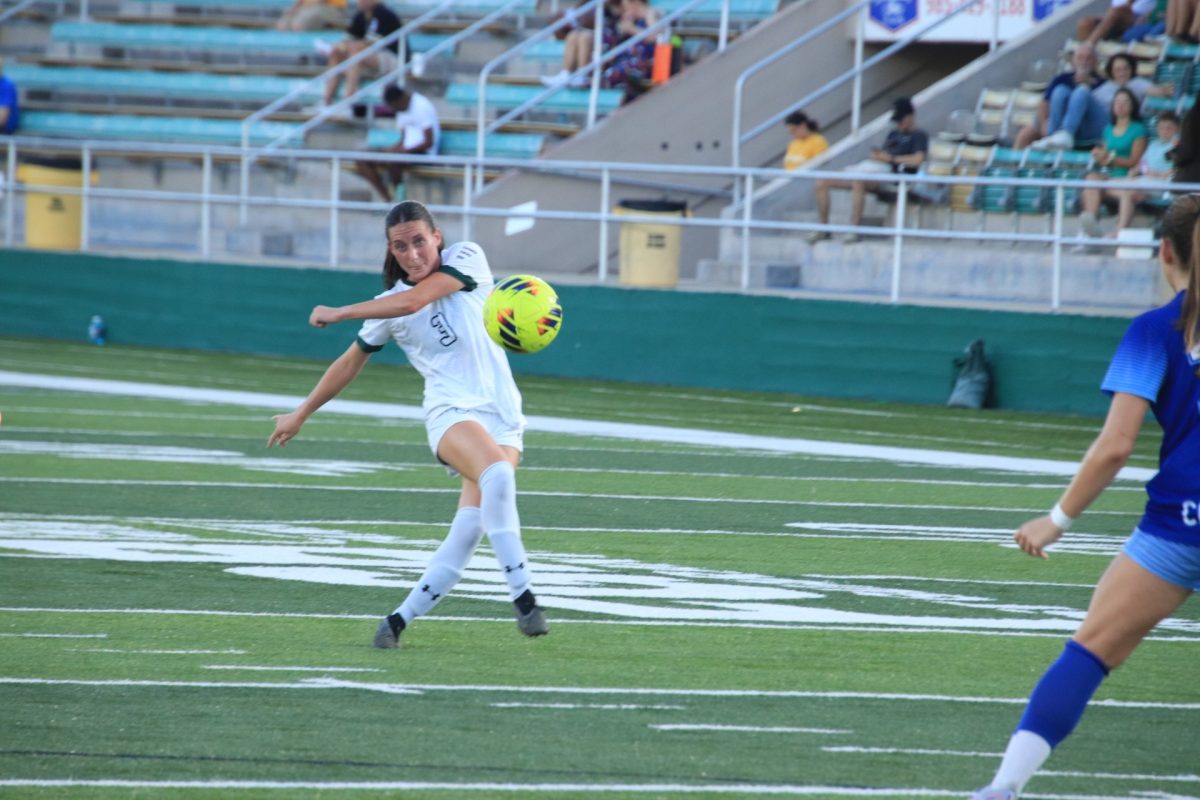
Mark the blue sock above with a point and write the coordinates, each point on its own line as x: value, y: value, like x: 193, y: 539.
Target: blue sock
x: 1063, y: 693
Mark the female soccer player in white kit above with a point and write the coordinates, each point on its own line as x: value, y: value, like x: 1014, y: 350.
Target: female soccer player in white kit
x: 433, y: 309
x: 1155, y: 367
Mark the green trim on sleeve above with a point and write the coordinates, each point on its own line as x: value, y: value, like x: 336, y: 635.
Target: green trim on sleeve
x: 367, y: 348
x: 468, y: 282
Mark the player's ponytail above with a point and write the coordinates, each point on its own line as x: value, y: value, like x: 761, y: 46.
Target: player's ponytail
x: 408, y: 211
x: 1181, y: 227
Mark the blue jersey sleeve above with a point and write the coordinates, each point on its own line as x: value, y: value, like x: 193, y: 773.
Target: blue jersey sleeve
x: 1140, y: 363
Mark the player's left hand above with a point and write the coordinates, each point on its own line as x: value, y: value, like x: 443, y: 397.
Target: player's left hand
x: 1036, y: 535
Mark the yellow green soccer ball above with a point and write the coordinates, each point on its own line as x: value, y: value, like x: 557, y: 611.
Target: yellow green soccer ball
x: 522, y: 314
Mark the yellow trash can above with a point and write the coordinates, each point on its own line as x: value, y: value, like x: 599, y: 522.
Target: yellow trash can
x: 648, y: 252
x: 52, y: 219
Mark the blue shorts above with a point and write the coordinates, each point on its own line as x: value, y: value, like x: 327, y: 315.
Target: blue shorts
x: 1173, y: 562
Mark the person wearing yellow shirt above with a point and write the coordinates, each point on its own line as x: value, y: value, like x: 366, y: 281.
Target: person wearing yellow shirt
x: 806, y: 143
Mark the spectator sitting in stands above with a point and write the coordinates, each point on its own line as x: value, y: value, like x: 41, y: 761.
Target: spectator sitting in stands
x: 1122, y: 149
x: 806, y: 143
x: 1068, y: 110
x: 903, y: 151
x: 578, y: 38
x: 631, y: 69
x: 313, y: 15
x: 419, y: 130
x: 1183, y: 20
x: 1127, y: 20
x: 1187, y: 152
x: 1121, y: 70
x: 10, y: 107
x: 372, y: 22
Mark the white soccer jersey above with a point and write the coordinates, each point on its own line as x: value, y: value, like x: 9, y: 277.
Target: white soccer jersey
x: 446, y: 342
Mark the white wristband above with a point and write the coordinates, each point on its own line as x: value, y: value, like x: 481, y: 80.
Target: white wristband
x: 1060, y: 518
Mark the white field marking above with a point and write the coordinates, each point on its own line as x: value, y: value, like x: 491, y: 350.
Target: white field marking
x: 830, y: 409
x: 914, y: 751
x: 324, y: 467
x: 534, y: 493
x: 425, y: 688
x: 639, y: 623
x: 734, y: 789
x: 55, y: 635
x: 571, y: 427
x: 195, y: 416
x: 591, y: 706
x: 129, y: 683
x: 926, y: 579
x: 749, y: 729
x: 1156, y: 636
x: 292, y: 669
x: 230, y: 652
x: 295, y: 532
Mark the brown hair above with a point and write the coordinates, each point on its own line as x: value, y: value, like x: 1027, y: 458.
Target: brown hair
x: 1181, y: 227
x: 408, y: 211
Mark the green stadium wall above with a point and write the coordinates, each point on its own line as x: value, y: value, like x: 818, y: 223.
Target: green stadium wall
x: 1041, y: 362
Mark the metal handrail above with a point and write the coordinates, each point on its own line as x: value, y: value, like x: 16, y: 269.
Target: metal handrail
x: 758, y: 66
x: 593, y: 67
x: 746, y: 224
x: 334, y: 71
x: 829, y: 86
x: 19, y: 7
x: 481, y: 82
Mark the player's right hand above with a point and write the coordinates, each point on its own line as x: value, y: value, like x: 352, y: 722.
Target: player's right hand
x: 286, y: 428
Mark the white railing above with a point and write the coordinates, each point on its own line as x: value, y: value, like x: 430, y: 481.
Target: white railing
x: 604, y: 175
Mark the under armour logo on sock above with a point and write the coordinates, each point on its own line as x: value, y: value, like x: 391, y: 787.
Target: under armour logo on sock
x: 521, y: 565
x: 428, y: 590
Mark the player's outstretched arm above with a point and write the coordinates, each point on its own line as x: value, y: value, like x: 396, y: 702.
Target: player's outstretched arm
x: 1104, y: 459
x: 437, y: 285
x: 337, y: 377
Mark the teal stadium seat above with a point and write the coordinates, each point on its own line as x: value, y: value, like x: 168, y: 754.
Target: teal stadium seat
x: 148, y: 129
x: 993, y: 199
x: 156, y: 84
x: 740, y: 11
x: 187, y: 37
x: 505, y: 95
x: 462, y: 143
x: 462, y: 8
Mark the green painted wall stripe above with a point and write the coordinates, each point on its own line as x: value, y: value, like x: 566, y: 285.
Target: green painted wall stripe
x: 1042, y: 362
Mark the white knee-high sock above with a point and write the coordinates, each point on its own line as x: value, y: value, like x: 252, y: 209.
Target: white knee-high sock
x: 446, y: 566
x: 1025, y: 754
x: 498, y: 509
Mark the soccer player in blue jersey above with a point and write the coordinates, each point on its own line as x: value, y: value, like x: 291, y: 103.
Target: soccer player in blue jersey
x: 1155, y: 367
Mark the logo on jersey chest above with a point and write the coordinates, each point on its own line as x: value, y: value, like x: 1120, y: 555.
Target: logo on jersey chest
x: 446, y: 335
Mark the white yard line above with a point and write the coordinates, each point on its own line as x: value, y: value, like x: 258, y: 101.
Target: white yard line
x: 317, y: 684
x: 252, y: 668
x: 573, y: 427
x: 1046, y: 773
x: 534, y: 493
x: 734, y: 789
x: 724, y: 625
x: 591, y: 706
x: 749, y: 729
